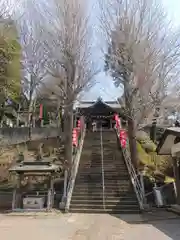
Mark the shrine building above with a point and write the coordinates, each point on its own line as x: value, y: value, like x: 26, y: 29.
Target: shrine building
x: 101, y: 112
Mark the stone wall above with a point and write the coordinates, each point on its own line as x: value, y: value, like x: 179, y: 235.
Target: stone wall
x: 44, y: 132
x: 6, y: 200
x: 11, y: 136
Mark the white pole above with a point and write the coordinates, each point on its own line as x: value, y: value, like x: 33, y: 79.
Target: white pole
x: 102, y: 162
x: 65, y: 183
x: 175, y: 189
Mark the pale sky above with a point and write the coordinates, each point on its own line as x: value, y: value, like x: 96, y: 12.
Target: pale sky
x: 104, y: 86
x: 173, y: 7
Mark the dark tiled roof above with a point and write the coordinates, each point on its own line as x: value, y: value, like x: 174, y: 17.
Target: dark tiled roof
x: 35, y: 167
x: 167, y: 140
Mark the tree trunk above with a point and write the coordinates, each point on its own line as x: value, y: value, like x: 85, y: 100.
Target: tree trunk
x: 18, y: 115
x: 132, y: 143
x: 153, y: 132
x: 131, y: 123
x: 68, y: 125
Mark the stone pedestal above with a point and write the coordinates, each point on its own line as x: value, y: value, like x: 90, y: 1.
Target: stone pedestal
x: 33, y: 203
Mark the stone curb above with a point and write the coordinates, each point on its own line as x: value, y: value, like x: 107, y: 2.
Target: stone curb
x: 33, y: 214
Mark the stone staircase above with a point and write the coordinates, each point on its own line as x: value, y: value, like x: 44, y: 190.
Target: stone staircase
x: 119, y: 196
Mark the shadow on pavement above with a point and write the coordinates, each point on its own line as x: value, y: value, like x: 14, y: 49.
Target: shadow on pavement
x: 166, y: 222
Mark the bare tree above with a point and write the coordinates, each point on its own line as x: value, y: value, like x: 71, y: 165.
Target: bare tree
x: 33, y: 62
x: 69, y: 50
x: 8, y: 8
x: 4, y: 8
x: 143, y: 56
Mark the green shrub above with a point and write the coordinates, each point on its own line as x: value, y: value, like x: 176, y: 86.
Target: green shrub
x: 144, y: 158
x: 154, y: 163
x: 142, y: 136
x: 149, y: 147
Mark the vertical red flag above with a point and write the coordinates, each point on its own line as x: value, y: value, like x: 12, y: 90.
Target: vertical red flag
x: 74, y: 137
x: 79, y: 125
x: 41, y: 111
x: 123, y: 138
x: 115, y: 117
x: 119, y: 123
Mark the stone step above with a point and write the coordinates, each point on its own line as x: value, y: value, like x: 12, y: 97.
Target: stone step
x: 110, y: 163
x: 110, y: 195
x: 95, y: 163
x: 106, y: 182
x: 99, y: 178
x: 99, y: 188
x: 115, y: 193
x: 101, y: 211
x: 99, y: 185
x: 99, y: 166
x: 96, y: 167
x: 107, y: 172
x: 90, y: 176
x: 128, y: 198
x: 108, y: 192
x: 107, y: 206
x: 107, y: 165
x: 88, y: 192
x: 107, y: 201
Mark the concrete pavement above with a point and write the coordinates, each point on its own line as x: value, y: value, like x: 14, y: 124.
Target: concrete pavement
x: 88, y: 227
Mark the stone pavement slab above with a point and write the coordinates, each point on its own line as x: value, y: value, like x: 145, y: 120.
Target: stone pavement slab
x: 87, y: 227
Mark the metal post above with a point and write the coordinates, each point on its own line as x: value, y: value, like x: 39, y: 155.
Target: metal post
x: 14, y: 199
x: 65, y: 184
x: 49, y: 200
x: 142, y: 186
x: 102, y: 162
x: 42, y: 122
x: 154, y: 125
x: 175, y: 189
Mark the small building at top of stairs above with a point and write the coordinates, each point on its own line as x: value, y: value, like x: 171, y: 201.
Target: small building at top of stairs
x: 101, y: 112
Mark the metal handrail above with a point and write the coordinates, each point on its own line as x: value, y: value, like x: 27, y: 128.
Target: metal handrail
x: 133, y: 175
x: 74, y: 171
x: 102, y: 164
x: 134, y: 178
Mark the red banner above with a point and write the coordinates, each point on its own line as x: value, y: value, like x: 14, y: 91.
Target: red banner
x: 74, y: 137
x: 79, y: 125
x: 123, y: 138
x: 115, y: 117
x: 41, y: 111
x: 118, y: 121
x: 123, y: 143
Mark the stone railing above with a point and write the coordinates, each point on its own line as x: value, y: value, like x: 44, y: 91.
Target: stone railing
x: 11, y: 136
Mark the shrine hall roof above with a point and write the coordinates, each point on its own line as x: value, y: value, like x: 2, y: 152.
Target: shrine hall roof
x: 34, y: 167
x: 167, y: 140
x: 86, y: 104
